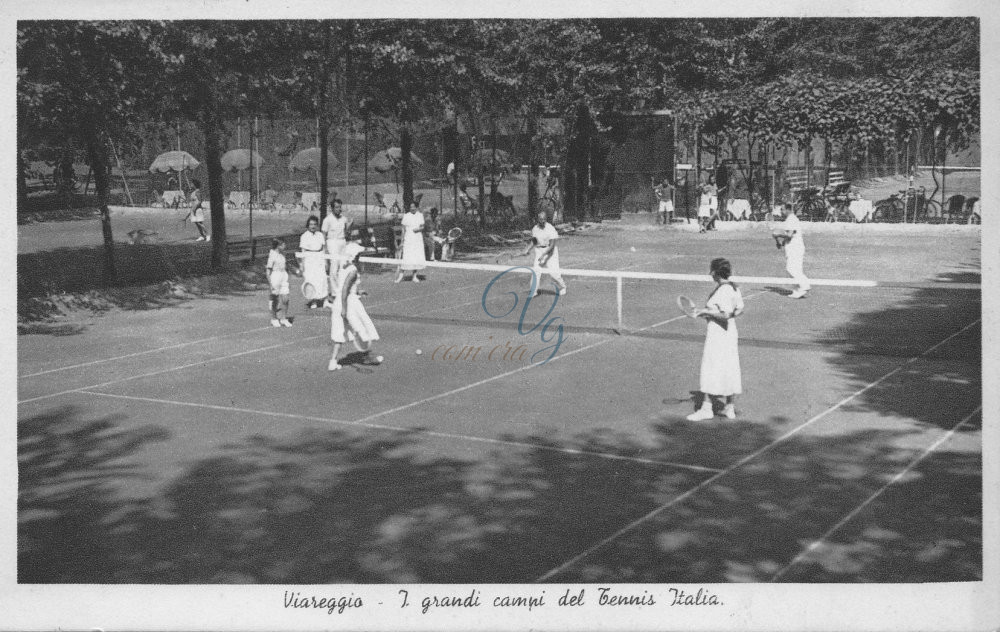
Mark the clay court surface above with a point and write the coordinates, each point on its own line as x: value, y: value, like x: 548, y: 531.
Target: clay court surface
x: 196, y: 444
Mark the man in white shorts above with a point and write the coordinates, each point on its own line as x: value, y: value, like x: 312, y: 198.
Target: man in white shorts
x: 543, y: 238
x: 795, y: 252
x: 708, y: 204
x: 664, y: 193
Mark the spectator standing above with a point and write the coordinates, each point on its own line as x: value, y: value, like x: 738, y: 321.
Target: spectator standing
x: 197, y: 213
x: 413, y: 244
x: 665, y: 196
x: 312, y: 243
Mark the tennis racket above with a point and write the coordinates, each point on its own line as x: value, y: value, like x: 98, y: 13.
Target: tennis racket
x: 361, y: 345
x: 687, y: 306
x: 454, y: 234
x: 778, y: 233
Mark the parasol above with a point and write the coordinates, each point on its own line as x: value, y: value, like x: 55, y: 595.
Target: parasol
x: 390, y: 160
x: 239, y: 160
x: 309, y: 159
x: 173, y: 161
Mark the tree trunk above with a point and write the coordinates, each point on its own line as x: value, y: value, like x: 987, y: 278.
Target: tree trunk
x: 533, y: 169
x: 100, y: 165
x: 324, y: 130
x: 324, y: 160
x: 493, y: 163
x: 220, y: 254
x: 576, y: 164
x: 22, y: 184
x: 406, y: 146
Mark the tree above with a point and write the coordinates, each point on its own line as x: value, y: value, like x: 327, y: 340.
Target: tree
x: 85, y: 84
x: 203, y: 67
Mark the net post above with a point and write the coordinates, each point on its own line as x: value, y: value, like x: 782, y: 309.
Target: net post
x: 618, y: 291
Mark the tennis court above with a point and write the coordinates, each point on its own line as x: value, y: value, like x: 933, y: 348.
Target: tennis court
x: 196, y: 444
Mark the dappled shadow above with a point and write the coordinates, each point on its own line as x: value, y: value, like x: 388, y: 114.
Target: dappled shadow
x: 945, y: 383
x: 50, y: 329
x: 68, y: 470
x: 35, y: 312
x: 325, y: 507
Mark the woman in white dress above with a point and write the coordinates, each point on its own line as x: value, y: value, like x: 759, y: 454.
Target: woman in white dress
x: 349, y: 319
x: 413, y: 244
x: 720, y: 360
x: 311, y: 245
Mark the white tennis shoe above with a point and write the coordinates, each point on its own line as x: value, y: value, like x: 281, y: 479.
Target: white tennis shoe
x: 703, y: 413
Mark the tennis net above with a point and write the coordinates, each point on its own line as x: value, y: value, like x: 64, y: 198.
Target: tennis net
x: 893, y: 318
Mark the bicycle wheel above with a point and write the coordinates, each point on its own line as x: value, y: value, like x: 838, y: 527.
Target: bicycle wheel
x: 815, y: 210
x: 889, y: 210
x: 930, y: 212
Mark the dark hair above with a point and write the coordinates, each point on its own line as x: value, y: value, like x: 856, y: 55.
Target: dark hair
x: 434, y: 210
x: 721, y: 267
x: 312, y: 218
x: 276, y: 242
x: 338, y: 201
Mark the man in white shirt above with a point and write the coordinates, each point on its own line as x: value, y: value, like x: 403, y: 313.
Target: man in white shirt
x: 795, y: 252
x: 543, y: 238
x: 335, y: 227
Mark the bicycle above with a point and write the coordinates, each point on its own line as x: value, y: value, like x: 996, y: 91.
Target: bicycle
x: 838, y: 203
x: 907, y: 205
x: 811, y: 204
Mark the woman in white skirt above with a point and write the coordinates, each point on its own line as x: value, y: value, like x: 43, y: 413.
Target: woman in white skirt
x: 349, y: 319
x: 413, y: 244
x: 720, y: 360
x: 311, y: 245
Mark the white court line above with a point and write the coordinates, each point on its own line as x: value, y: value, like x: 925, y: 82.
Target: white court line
x: 432, y: 433
x: 139, y: 353
x: 183, y: 344
x: 635, y: 523
x: 250, y: 331
x: 816, y: 543
x: 518, y: 370
x: 204, y: 340
x: 168, y: 370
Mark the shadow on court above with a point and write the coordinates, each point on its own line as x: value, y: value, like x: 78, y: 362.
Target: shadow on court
x: 325, y: 507
x: 939, y: 389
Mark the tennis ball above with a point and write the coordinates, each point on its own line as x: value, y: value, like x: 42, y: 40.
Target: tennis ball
x: 632, y: 248
x: 419, y: 352
x: 378, y: 359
